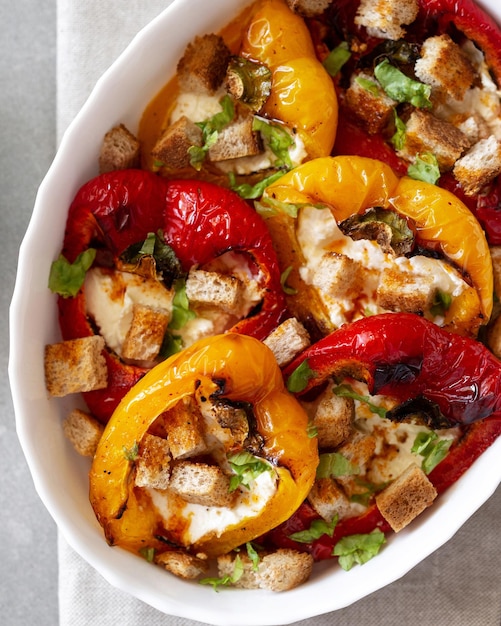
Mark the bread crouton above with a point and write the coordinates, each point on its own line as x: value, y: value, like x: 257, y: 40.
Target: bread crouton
x: 226, y: 422
x: 236, y: 140
x: 339, y: 276
x: 478, y: 167
x: 146, y: 333
x: 333, y: 419
x: 120, y: 150
x: 445, y: 67
x: 171, y: 149
x: 153, y: 463
x: 496, y: 268
x: 494, y: 337
x: 426, y: 133
x: 474, y: 128
x: 287, y: 341
x: 214, y: 290
x: 83, y: 431
x: 185, y: 430
x: 308, y: 8
x: 75, y: 366
x: 200, y: 483
x: 405, y: 292
x: 328, y: 499
x: 276, y: 571
x: 386, y: 18
x: 406, y: 497
x: 202, y: 68
x: 369, y: 103
x: 182, y: 564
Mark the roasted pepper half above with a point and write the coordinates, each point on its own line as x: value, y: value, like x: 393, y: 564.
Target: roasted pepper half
x: 228, y: 368
x: 199, y: 221
x: 349, y: 185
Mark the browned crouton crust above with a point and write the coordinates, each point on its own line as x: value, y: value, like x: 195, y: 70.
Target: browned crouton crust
x: 75, y: 366
x: 146, y: 333
x: 496, y: 267
x: 277, y: 571
x: 171, y: 149
x: 328, y: 499
x: 478, y: 167
x: 120, y: 150
x: 375, y: 109
x: 182, y: 564
x: 214, y: 290
x: 202, y: 68
x: 494, y: 337
x: 402, y: 291
x: 385, y: 18
x: 200, y: 483
x: 153, y: 463
x: 287, y: 341
x: 407, y: 496
x: 236, y: 140
x: 84, y: 432
x: 445, y: 67
x: 309, y: 8
x: 339, y: 275
x: 426, y: 133
x: 185, y: 430
x: 333, y: 419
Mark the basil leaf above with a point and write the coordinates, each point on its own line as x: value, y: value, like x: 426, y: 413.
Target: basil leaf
x: 337, y: 58
x: 398, y: 138
x: 247, y: 468
x: 432, y: 451
x: 317, y: 528
x: 210, y: 132
x: 425, y: 168
x: 251, y: 192
x: 132, y: 453
x: 290, y: 291
x: 400, y: 87
x: 345, y: 391
x: 359, y: 549
x: 181, y: 312
x: 269, y: 207
x: 278, y: 139
x: 67, y: 278
x: 334, y: 464
x: 230, y: 579
x: 171, y: 344
x: 368, y: 85
x: 148, y: 554
x: 441, y: 303
x: 300, y: 377
x: 253, y: 556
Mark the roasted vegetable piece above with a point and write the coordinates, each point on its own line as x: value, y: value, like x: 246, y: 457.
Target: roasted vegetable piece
x: 350, y: 184
x: 232, y: 367
x: 200, y: 221
x: 302, y: 94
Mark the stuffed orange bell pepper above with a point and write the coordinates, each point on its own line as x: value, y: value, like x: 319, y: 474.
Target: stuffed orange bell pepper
x: 302, y: 92
x: 356, y: 190
x: 267, y: 471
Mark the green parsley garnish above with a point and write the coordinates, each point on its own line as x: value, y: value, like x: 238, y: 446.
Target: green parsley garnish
x: 368, y: 85
x: 181, y: 312
x: 425, y: 168
x: 400, y: 87
x: 290, y: 291
x: 430, y: 449
x: 148, y: 554
x: 359, y: 549
x: 317, y: 528
x: 251, y: 192
x: 337, y: 58
x: 247, y: 468
x: 210, y: 132
x: 300, y: 377
x: 230, y: 579
x: 441, y: 303
x: 334, y: 464
x: 346, y: 391
x: 278, y: 139
x: 67, y: 278
x: 398, y: 138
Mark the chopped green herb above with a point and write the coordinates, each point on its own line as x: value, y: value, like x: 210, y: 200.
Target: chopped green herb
x: 249, y: 81
x: 334, y: 464
x: 290, y: 291
x: 398, y: 138
x: 400, y: 87
x: 430, y: 449
x: 268, y: 207
x: 251, y: 192
x: 131, y: 454
x: 337, y: 58
x: 371, y: 489
x: 441, y: 303
x: 67, y: 278
x: 148, y: 554
x: 171, y: 344
x: 181, y: 312
x: 368, y: 85
x: 299, y: 378
x: 311, y: 431
x: 425, y: 168
x: 230, y: 579
x: 346, y: 391
x: 210, y: 132
x: 317, y: 528
x: 253, y: 556
x: 359, y: 549
x: 247, y: 468
x: 278, y: 139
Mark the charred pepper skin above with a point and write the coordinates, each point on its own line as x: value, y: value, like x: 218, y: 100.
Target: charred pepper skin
x: 199, y: 220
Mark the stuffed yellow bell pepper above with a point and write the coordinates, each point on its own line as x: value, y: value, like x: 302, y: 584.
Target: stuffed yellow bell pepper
x: 221, y: 410
x: 444, y: 238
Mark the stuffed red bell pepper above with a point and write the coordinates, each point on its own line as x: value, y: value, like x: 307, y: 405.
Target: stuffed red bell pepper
x: 189, y: 258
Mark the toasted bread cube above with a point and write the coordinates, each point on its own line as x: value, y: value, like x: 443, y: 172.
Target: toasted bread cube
x: 182, y: 564
x: 333, y: 419
x: 445, y: 67
x: 120, y: 150
x: 214, y: 290
x: 200, y: 483
x: 478, y: 167
x: 405, y: 292
x: 406, y: 497
x: 171, y: 149
x: 84, y: 432
x: 202, y: 68
x: 496, y: 269
x: 75, y: 366
x: 236, y: 140
x: 339, y: 276
x: 474, y: 128
x: 308, y: 8
x: 372, y: 107
x: 153, y: 463
x: 146, y: 333
x: 229, y: 424
x: 287, y: 341
x: 328, y: 499
x: 276, y: 571
x: 185, y: 430
x: 386, y: 18
x: 426, y: 133
x: 494, y: 336
x: 358, y: 449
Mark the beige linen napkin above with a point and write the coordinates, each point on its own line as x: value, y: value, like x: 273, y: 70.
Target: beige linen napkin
x: 459, y: 584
